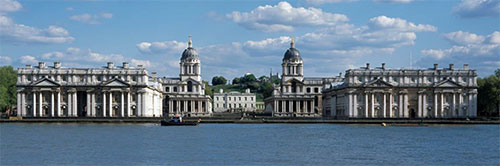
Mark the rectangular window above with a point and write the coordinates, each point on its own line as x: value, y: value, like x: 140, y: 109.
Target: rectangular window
x: 167, y: 89
x: 316, y: 90
x: 308, y: 90
x: 175, y: 89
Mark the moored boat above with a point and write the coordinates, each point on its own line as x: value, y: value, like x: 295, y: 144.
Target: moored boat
x: 177, y: 121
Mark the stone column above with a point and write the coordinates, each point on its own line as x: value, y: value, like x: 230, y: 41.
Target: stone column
x: 93, y: 105
x: 435, y: 105
x: 312, y: 106
x: 420, y: 105
x: 122, y: 112
x: 366, y: 105
x: 52, y: 104
x: 390, y: 105
x: 424, y: 106
x: 58, y: 108
x: 75, y: 104
x: 128, y: 104
x: 69, y: 105
x: 384, y: 106
x: 103, y: 104
x: 34, y: 104
x: 469, y: 107
x: 89, y: 112
x: 474, y: 103
x: 372, y: 105
x: 23, y: 105
x: 454, y: 113
x: 351, y: 104
x: 110, y: 107
x: 460, y: 108
x: 40, y: 109
x: 442, y: 105
x: 19, y: 101
x: 355, y: 105
x: 401, y: 106
x: 290, y: 106
x: 406, y: 111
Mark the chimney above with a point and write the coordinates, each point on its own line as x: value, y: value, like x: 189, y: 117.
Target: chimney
x: 153, y: 74
x: 139, y: 66
x: 57, y: 65
x: 451, y: 66
x: 28, y: 66
x: 466, y: 66
x: 247, y: 90
x: 383, y: 66
x: 221, y: 90
x: 435, y: 66
x: 111, y: 65
x: 125, y: 65
x: 41, y: 65
x: 367, y: 65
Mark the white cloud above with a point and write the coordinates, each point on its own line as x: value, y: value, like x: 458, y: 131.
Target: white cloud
x: 28, y: 59
x: 284, y: 17
x: 11, y: 32
x: 70, y: 9
x: 478, y: 8
x: 144, y: 63
x: 9, y: 6
x: 399, y: 24
x: 5, y: 60
x: 464, y: 38
x: 482, y: 52
x: 161, y: 47
x: 52, y: 55
x: 91, y: 19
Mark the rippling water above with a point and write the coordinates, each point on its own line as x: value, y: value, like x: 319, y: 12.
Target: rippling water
x: 247, y: 144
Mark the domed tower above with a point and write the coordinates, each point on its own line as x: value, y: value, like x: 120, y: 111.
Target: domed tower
x: 292, y: 64
x: 190, y: 63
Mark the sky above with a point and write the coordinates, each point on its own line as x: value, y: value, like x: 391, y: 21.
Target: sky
x: 237, y: 37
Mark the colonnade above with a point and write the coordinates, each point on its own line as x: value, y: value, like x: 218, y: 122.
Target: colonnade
x: 180, y: 106
x: 284, y: 106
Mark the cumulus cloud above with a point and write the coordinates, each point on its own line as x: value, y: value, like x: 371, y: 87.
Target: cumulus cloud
x: 399, y: 24
x: 478, y: 8
x: 28, y: 59
x: 91, y: 19
x: 482, y: 52
x: 320, y: 2
x: 5, y: 60
x: 9, y: 6
x: 284, y: 17
x: 10, y: 32
x: 55, y: 54
x: 161, y: 47
x: 464, y: 38
x: 393, y: 1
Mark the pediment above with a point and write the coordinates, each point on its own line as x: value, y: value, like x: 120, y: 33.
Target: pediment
x: 45, y: 82
x: 294, y: 80
x: 378, y: 83
x: 115, y: 83
x: 192, y: 80
x: 448, y: 84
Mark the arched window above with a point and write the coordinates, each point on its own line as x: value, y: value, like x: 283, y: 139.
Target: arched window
x: 190, y: 86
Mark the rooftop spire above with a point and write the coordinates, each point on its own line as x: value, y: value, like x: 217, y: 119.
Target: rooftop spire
x: 190, y: 43
x: 292, y: 43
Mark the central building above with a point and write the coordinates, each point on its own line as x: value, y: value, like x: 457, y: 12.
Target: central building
x: 297, y: 96
x: 185, y: 96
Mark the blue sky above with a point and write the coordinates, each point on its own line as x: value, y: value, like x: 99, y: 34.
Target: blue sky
x: 237, y: 37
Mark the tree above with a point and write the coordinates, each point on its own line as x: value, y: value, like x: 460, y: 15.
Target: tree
x: 248, y: 79
x: 236, y: 81
x: 218, y: 80
x: 208, y: 89
x: 266, y: 88
x: 8, y: 79
x: 488, y: 98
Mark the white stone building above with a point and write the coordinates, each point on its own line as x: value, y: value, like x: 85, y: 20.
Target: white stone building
x: 185, y: 96
x: 234, y: 101
x: 403, y: 93
x: 57, y: 91
x: 297, y: 96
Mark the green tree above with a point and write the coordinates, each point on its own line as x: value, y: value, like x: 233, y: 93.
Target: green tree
x: 248, y: 79
x: 8, y: 79
x: 218, y: 80
x: 266, y: 89
x: 488, y: 98
x: 236, y: 81
x: 208, y: 89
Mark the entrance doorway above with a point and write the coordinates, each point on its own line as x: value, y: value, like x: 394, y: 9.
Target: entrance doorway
x: 413, y: 114
x: 81, y: 103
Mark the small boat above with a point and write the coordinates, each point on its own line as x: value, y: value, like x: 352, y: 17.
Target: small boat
x: 177, y: 121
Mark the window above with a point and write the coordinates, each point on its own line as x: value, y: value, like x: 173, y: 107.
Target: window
x: 395, y: 96
x: 175, y: 89
x: 429, y: 79
x: 82, y: 78
x: 251, y: 98
x: 190, y: 86
x: 167, y: 89
x: 308, y: 90
x: 360, y: 79
x: 464, y: 79
x: 99, y: 78
x: 239, y: 98
x: 29, y: 77
x: 316, y: 90
x: 245, y: 98
x: 412, y: 79
x: 294, y: 87
x: 134, y: 78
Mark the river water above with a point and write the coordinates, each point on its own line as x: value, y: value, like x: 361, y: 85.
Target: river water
x: 247, y: 144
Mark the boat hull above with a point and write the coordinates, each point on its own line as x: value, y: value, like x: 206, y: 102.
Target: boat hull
x: 166, y: 123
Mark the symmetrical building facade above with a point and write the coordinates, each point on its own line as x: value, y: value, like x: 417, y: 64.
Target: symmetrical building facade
x: 56, y: 91
x: 297, y: 96
x: 234, y: 101
x: 403, y: 93
x: 185, y: 96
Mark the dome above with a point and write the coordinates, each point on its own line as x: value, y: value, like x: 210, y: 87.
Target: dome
x: 189, y: 53
x: 292, y: 53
